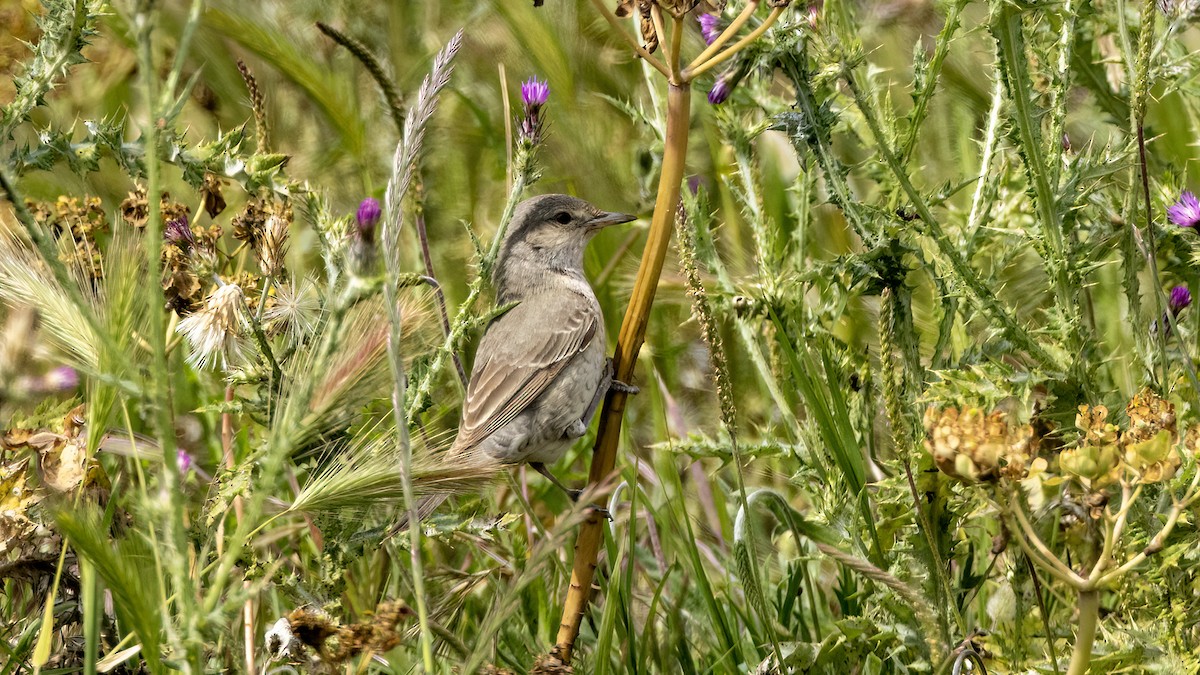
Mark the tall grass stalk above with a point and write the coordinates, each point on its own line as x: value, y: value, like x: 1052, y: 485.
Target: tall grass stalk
x: 175, y: 549
x: 408, y: 152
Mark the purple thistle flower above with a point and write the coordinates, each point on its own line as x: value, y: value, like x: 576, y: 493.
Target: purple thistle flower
x: 720, y: 91
x: 710, y: 27
x: 179, y: 233
x: 534, y: 93
x: 62, y: 378
x: 183, y: 460
x: 1186, y: 211
x: 1180, y: 298
x: 368, y: 215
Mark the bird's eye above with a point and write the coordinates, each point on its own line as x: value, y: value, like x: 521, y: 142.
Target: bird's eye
x: 563, y: 217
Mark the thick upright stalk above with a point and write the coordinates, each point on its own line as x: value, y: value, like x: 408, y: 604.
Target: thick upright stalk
x: 1089, y: 615
x: 629, y: 342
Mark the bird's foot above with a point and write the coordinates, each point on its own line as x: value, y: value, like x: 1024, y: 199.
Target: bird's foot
x: 617, y: 385
x: 600, y: 511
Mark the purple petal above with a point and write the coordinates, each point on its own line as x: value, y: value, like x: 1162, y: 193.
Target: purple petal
x: 368, y: 216
x: 710, y: 27
x: 534, y: 92
x: 719, y: 92
x: 1180, y: 298
x: 1186, y: 211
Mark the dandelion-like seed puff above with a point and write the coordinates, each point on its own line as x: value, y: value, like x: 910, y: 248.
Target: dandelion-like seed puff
x: 295, y: 311
x: 217, y: 332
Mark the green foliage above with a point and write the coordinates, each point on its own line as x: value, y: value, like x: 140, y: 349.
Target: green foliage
x: 974, y: 238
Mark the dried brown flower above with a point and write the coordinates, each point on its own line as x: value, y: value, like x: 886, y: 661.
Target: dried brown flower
x: 337, y: 644
x: 210, y: 194
x: 247, y: 225
x: 274, y: 245
x: 79, y: 220
x: 649, y: 35
x: 1148, y: 414
x: 972, y: 446
x: 135, y: 211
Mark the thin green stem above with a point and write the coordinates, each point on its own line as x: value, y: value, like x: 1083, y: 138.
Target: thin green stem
x: 161, y: 385
x: 933, y: 70
x: 620, y: 30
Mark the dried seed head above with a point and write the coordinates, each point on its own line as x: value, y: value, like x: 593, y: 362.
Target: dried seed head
x: 1148, y: 414
x: 216, y: 331
x: 971, y: 446
x: 248, y: 225
x: 294, y: 311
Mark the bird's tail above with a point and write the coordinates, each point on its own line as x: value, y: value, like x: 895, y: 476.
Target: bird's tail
x: 437, y: 478
x: 425, y: 507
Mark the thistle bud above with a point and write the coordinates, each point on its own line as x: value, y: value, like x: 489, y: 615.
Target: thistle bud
x: 179, y: 233
x: 534, y: 94
x: 367, y: 217
x: 274, y: 245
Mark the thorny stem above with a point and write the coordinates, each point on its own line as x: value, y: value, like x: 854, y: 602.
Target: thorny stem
x: 261, y: 338
x: 965, y: 275
x: 431, y: 278
x: 690, y: 72
x: 619, y: 30
x: 629, y: 342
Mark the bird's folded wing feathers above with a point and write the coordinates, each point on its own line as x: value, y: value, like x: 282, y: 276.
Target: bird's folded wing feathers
x: 513, y: 367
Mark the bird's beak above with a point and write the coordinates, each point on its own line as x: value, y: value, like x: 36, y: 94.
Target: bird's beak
x: 607, y: 218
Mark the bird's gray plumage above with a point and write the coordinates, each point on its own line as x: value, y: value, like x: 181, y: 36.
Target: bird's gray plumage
x: 540, y: 368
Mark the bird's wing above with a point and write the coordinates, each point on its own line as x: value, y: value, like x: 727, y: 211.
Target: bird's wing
x: 520, y: 355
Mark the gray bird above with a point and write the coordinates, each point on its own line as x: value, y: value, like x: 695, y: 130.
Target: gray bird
x: 540, y: 370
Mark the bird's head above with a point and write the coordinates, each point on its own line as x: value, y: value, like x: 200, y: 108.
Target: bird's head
x: 549, y: 232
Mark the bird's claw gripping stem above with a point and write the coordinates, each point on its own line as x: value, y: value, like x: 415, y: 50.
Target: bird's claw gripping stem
x: 617, y: 385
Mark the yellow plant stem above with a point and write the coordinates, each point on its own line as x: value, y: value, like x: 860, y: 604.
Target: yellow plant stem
x: 725, y: 35
x: 1113, y: 534
x: 629, y: 342
x: 691, y: 72
x: 660, y: 29
x: 641, y: 51
x: 1037, y: 549
x: 1089, y: 615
